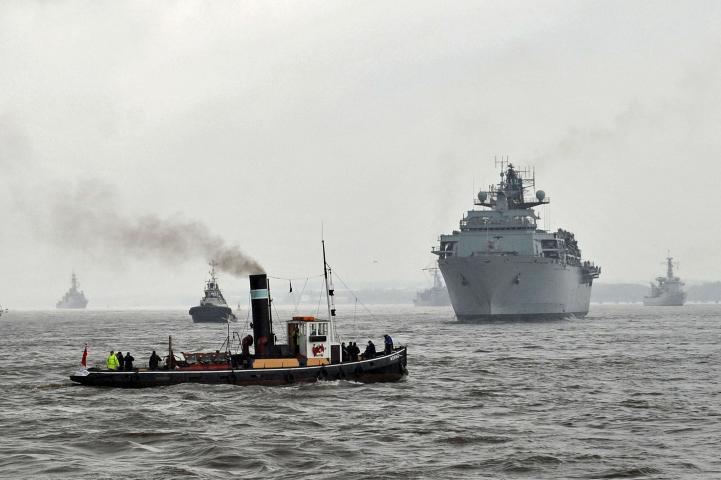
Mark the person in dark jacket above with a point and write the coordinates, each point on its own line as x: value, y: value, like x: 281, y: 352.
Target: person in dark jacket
x: 356, y: 352
x: 389, y: 344
x: 154, y: 360
x: 121, y: 360
x: 296, y: 345
x: 344, y: 355
x: 370, y: 351
x: 129, y: 362
x: 245, y: 350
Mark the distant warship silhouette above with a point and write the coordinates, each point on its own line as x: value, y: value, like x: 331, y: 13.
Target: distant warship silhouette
x: 668, y: 290
x: 73, y: 298
x: 436, y: 296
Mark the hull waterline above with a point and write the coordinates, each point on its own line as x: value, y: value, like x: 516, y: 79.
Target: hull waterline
x: 211, y: 314
x: 494, y: 287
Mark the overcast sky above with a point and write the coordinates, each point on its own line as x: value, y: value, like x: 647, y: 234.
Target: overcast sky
x: 257, y: 121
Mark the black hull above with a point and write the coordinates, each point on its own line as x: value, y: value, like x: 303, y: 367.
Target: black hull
x: 211, y: 314
x: 384, y: 368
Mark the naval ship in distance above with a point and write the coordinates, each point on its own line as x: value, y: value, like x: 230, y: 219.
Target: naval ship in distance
x: 73, y: 298
x: 436, y: 296
x: 499, y: 264
x: 668, y: 290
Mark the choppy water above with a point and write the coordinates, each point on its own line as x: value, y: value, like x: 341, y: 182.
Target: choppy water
x: 628, y: 392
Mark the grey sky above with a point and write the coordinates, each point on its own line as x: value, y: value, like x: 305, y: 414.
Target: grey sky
x: 262, y: 119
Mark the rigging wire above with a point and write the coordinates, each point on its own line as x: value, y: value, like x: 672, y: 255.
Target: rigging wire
x: 294, y: 279
x: 320, y: 297
x: 355, y: 296
x: 355, y: 319
x: 300, y: 297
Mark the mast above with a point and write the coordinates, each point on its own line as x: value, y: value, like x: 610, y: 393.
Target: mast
x: 212, y: 264
x: 328, y: 293
x: 171, y: 355
x: 436, y: 280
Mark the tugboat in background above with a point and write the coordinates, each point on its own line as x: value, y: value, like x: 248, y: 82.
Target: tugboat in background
x: 313, y: 353
x: 73, y: 298
x: 212, y: 308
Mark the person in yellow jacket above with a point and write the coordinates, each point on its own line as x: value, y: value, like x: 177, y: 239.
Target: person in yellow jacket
x: 112, y: 361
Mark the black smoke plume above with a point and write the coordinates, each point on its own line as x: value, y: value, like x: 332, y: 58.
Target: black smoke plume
x: 88, y: 218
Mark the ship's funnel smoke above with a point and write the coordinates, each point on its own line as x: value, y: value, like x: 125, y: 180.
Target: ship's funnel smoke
x: 89, y: 219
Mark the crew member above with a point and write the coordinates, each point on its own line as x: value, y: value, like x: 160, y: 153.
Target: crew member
x: 370, y: 351
x: 129, y: 362
x: 389, y: 344
x: 153, y: 362
x: 296, y: 345
x: 112, y: 361
x: 121, y: 360
x: 245, y: 349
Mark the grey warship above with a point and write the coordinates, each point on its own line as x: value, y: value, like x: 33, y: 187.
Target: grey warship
x: 500, y: 265
x: 436, y: 296
x: 212, y: 308
x: 73, y: 298
x: 668, y: 290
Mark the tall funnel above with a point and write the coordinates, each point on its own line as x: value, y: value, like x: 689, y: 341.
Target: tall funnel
x: 260, y: 303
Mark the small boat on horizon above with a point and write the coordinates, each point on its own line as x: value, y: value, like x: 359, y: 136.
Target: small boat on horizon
x: 313, y: 353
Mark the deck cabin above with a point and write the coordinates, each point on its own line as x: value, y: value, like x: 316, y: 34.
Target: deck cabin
x: 309, y: 338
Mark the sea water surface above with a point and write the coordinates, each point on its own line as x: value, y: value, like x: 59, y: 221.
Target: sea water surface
x: 627, y: 392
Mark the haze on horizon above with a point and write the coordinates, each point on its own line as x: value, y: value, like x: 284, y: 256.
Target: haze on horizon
x: 262, y: 120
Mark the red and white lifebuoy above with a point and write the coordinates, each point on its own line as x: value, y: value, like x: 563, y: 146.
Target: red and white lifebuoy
x: 318, y: 350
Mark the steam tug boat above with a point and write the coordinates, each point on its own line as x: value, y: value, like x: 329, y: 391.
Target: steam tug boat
x: 312, y: 354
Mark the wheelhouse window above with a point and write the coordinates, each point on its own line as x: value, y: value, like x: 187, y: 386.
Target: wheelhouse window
x: 318, y: 332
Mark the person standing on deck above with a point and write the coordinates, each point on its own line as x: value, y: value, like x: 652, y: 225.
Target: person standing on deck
x: 370, y: 351
x: 112, y: 361
x: 153, y: 362
x: 388, y: 343
x: 129, y: 362
x: 296, y: 345
x: 121, y: 360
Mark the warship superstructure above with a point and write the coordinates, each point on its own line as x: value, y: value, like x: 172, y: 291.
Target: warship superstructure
x: 500, y: 264
x: 73, y: 298
x: 213, y: 307
x: 668, y: 290
x: 436, y: 296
